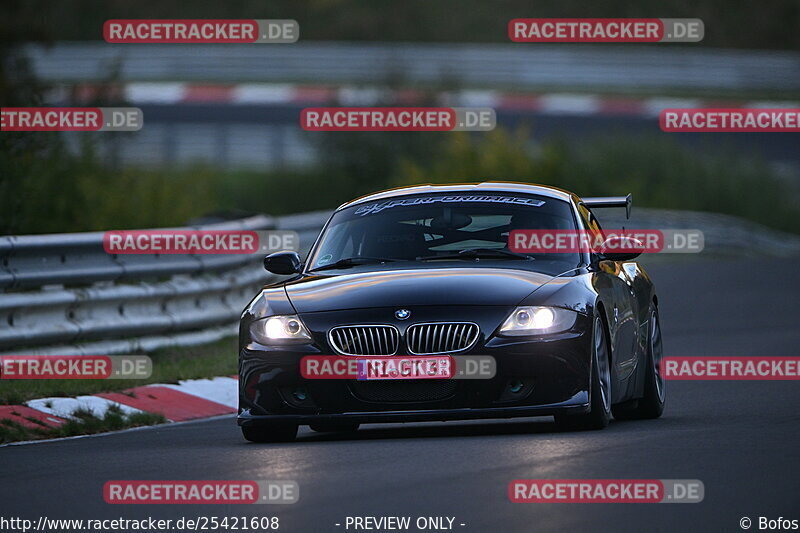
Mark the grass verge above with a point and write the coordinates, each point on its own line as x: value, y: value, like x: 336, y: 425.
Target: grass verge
x: 83, y: 423
x: 661, y: 171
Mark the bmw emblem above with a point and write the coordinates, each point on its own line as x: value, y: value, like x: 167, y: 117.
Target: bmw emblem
x: 402, y: 314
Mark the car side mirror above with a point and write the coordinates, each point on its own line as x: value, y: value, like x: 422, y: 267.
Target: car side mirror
x: 620, y: 248
x: 283, y: 263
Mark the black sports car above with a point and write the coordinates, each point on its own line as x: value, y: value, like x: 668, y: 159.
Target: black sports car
x: 427, y: 270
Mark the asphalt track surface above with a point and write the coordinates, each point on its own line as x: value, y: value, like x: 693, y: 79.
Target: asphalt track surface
x: 739, y: 438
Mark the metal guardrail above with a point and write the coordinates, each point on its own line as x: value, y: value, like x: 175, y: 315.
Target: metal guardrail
x: 64, y: 294
x: 512, y: 66
x: 71, y: 258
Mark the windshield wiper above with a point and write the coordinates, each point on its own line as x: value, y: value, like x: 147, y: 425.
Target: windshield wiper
x: 348, y: 262
x: 477, y: 253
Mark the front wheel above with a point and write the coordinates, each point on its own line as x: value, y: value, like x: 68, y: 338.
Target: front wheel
x: 270, y: 433
x: 600, y: 388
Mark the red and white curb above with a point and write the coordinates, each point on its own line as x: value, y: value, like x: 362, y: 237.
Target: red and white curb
x: 290, y: 94
x: 188, y: 400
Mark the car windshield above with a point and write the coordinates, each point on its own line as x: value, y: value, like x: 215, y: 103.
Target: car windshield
x: 442, y: 227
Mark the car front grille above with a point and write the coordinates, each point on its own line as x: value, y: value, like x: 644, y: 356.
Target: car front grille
x: 441, y: 337
x: 364, y: 340
x: 391, y: 390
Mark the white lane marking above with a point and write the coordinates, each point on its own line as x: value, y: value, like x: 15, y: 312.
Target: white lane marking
x: 65, y: 407
x: 220, y: 390
x: 476, y: 98
x: 653, y: 106
x: 569, y: 104
x: 775, y: 104
x: 156, y: 92
x: 263, y: 93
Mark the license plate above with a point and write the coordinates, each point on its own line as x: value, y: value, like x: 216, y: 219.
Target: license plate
x: 377, y: 368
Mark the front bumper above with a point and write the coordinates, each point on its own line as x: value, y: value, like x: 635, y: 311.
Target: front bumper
x: 577, y: 405
x: 535, y: 377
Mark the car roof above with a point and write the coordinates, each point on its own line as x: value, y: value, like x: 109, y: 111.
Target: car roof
x: 486, y: 186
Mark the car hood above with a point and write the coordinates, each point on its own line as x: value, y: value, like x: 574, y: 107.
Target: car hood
x: 414, y: 287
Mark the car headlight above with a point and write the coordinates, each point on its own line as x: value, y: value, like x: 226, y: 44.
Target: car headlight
x: 536, y: 320
x: 280, y: 330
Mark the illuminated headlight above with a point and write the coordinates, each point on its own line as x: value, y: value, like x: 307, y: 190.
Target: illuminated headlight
x: 535, y: 320
x: 279, y: 330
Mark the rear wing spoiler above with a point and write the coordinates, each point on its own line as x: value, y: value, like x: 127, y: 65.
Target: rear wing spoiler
x: 610, y: 201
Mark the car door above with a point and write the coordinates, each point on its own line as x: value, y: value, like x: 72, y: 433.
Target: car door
x: 623, y: 311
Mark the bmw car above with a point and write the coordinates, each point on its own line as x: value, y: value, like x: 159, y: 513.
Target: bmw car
x: 428, y: 270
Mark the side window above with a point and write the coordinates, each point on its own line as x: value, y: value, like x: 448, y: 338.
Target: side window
x: 588, y: 219
x: 594, y: 225
x: 341, y: 242
x: 590, y: 222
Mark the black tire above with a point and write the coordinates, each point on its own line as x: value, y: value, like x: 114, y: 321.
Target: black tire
x: 600, y: 387
x: 334, y: 427
x: 651, y: 405
x: 270, y: 433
